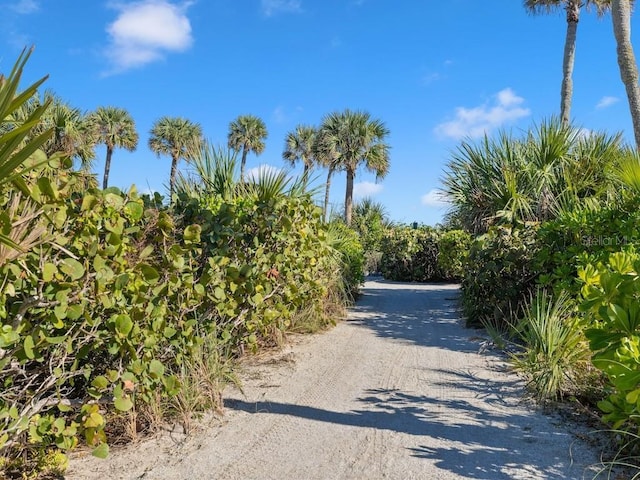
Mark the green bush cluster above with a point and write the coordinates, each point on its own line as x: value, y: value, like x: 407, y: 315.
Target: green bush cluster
x: 611, y: 302
x: 499, y: 275
x: 264, y: 256
x: 104, y: 314
x: 583, y: 236
x: 423, y: 254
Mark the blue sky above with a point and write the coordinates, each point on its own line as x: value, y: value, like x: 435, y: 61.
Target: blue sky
x: 434, y: 72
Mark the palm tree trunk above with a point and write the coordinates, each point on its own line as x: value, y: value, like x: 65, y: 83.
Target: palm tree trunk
x: 325, y: 209
x: 244, y: 161
x: 107, y: 167
x: 172, y: 177
x: 621, y: 16
x: 348, y: 198
x: 566, y: 94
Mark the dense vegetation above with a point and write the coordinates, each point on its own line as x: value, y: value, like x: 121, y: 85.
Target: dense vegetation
x: 119, y: 312
x: 118, y: 315
x: 552, y: 270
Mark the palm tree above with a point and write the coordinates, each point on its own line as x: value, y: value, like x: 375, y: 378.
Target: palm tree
x: 177, y: 137
x: 507, y: 180
x: 300, y: 145
x: 247, y: 133
x: 349, y: 139
x: 572, y: 8
x: 114, y: 127
x: 621, y: 16
x: 73, y: 134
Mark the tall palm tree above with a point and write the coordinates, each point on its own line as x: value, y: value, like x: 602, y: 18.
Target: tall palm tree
x: 572, y: 9
x: 114, y: 127
x: 352, y: 138
x: 247, y: 133
x: 300, y: 145
x: 176, y: 137
x: 621, y: 16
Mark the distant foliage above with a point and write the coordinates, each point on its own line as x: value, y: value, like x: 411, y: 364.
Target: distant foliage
x: 370, y: 220
x: 453, y: 252
x: 350, y: 255
x: 423, y: 254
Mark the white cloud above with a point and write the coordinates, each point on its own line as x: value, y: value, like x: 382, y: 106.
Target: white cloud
x: 265, y: 169
x: 24, y: 7
x: 273, y: 7
x: 475, y: 122
x: 366, y: 189
x: 607, y: 102
x: 434, y: 198
x: 145, y: 31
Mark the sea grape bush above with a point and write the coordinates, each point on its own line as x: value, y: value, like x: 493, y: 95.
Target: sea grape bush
x: 101, y: 315
x: 93, y: 315
x: 267, y: 257
x: 499, y: 275
x: 423, y: 254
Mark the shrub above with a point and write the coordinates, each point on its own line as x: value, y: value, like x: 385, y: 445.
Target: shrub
x: 553, y: 346
x: 410, y: 254
x: 499, y: 276
x: 580, y: 236
x: 453, y: 251
x: 611, y: 292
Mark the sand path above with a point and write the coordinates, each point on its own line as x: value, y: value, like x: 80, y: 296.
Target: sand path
x: 398, y: 391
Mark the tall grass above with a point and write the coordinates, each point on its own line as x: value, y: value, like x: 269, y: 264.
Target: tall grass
x: 202, y: 377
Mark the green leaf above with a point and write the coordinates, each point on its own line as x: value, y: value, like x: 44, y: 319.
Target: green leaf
x: 72, y: 268
x: 219, y: 293
x: 88, y: 202
x: 64, y: 408
x: 100, y: 382
x: 156, y: 368
x: 113, y: 200
x: 124, y: 325
x: 74, y: 312
x: 101, y: 451
x: 48, y: 271
x: 192, y: 233
x: 134, y: 211
x: 47, y: 187
x: 148, y: 250
x: 149, y: 273
x: 60, y: 311
x: 257, y: 299
x: 28, y: 347
x: 94, y: 420
x: 123, y: 404
x: 121, y: 281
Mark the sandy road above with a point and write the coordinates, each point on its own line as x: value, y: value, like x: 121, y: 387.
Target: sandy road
x: 398, y: 391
